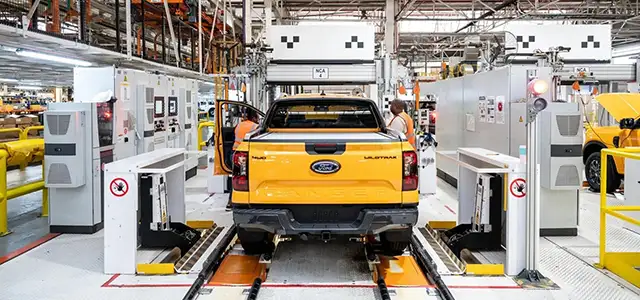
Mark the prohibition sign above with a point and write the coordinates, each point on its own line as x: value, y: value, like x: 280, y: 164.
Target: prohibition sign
x: 517, y: 188
x: 118, y: 187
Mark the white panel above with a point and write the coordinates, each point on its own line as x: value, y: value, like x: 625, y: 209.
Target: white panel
x: 357, y: 73
x: 587, y: 42
x: 323, y: 42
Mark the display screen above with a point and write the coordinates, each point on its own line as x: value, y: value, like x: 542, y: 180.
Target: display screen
x: 173, y: 106
x: 158, y: 107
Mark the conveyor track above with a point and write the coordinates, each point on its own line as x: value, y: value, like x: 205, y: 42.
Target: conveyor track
x: 212, y: 263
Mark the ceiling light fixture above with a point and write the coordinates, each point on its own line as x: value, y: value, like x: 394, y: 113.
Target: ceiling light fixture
x: 64, y: 60
x: 8, y: 80
x: 26, y: 87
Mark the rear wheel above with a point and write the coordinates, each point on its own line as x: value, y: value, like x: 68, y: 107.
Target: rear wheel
x: 394, y: 242
x: 256, y: 242
x: 592, y: 172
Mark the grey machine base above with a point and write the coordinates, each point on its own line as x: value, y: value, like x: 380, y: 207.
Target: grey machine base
x: 76, y: 229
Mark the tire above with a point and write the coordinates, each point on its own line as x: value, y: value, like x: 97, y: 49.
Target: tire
x: 256, y: 242
x: 395, y: 242
x: 592, y: 172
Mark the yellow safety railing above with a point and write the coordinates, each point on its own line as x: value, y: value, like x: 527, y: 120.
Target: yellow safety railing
x: 624, y: 264
x: 7, y: 194
x: 201, y: 142
x: 25, y: 132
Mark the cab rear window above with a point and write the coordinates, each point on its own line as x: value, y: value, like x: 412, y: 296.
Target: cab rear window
x: 324, y: 113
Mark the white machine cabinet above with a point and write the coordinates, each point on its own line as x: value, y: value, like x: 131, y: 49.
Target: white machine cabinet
x: 475, y: 163
x: 121, y: 202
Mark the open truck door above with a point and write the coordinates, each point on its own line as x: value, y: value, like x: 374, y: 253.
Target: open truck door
x: 228, y: 115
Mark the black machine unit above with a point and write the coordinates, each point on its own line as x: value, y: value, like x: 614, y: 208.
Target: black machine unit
x: 174, y: 235
x: 465, y: 236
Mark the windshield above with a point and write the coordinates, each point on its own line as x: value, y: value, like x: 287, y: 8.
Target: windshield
x: 324, y: 113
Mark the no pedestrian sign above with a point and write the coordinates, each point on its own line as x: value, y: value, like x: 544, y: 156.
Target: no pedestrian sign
x: 517, y: 188
x: 119, y: 187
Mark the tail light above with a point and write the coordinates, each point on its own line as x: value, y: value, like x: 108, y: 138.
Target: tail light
x: 409, y: 171
x: 241, y: 171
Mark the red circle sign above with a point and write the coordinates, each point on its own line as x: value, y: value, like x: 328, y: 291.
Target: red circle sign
x: 500, y: 106
x: 517, y: 188
x: 118, y: 187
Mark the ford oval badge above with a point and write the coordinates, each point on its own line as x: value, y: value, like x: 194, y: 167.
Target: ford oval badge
x: 325, y: 166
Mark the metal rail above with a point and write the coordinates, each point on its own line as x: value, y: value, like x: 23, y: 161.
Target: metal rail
x: 429, y: 267
x: 211, y: 264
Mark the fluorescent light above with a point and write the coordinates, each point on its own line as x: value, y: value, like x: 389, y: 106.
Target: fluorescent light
x: 64, y: 60
x: 8, y: 80
x: 26, y: 87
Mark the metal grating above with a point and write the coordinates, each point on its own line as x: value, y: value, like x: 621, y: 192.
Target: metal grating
x: 453, y: 264
x: 58, y: 174
x: 568, y: 176
x: 568, y: 125
x: 58, y: 124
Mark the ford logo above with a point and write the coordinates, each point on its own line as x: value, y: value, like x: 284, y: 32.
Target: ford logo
x: 325, y: 166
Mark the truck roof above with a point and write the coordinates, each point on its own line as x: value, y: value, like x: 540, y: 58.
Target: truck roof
x: 327, y: 96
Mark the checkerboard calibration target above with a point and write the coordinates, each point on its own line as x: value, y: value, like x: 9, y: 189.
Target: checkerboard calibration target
x: 525, y: 45
x: 591, y: 41
x: 294, y: 39
x: 353, y: 43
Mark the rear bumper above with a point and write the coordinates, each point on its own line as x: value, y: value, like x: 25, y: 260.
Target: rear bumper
x: 369, y: 221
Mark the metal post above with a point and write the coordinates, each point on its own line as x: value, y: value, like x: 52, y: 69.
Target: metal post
x: 179, y: 46
x: 4, y: 223
x: 390, y: 27
x: 246, y: 21
x: 200, y: 35
x: 143, y: 36
x: 164, y: 61
x: 193, y: 51
x: 173, y: 36
x: 117, y: 15
x: 127, y: 8
x: 83, y: 21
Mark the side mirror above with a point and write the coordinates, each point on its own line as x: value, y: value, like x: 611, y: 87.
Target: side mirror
x: 627, y: 123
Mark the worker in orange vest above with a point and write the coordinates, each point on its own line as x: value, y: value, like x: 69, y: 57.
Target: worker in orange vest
x: 246, y: 126
x: 249, y: 124
x: 402, y: 122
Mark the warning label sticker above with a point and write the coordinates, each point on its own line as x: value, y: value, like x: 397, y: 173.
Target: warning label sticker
x: 119, y: 187
x: 517, y: 187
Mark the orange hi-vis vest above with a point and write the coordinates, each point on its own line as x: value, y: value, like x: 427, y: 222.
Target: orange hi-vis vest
x: 411, y: 136
x: 241, y: 130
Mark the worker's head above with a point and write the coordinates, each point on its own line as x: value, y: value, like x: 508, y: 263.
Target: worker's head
x: 397, y: 106
x: 252, y: 116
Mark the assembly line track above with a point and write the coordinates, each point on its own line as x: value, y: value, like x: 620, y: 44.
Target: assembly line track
x: 214, y: 260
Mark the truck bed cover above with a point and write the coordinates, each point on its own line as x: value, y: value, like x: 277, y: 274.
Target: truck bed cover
x: 324, y: 136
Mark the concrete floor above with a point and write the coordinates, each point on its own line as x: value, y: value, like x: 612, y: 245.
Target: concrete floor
x: 24, y: 219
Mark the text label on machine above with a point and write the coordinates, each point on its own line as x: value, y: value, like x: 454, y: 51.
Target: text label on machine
x: 320, y: 73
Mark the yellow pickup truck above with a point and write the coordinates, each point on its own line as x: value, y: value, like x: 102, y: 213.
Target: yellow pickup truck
x: 625, y: 109
x: 318, y: 166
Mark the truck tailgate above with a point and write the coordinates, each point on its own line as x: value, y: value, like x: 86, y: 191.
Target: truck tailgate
x: 370, y: 169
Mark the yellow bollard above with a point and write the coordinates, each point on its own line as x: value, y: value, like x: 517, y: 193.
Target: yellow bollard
x: 45, y: 197
x: 4, y: 223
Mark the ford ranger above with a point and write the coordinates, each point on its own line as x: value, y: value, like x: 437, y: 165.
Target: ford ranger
x: 625, y: 109
x: 319, y: 166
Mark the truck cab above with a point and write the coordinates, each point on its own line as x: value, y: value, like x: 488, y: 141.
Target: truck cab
x: 625, y: 109
x: 318, y: 166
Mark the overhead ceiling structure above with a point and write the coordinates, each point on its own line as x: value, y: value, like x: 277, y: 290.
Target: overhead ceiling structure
x: 436, y: 28
x: 426, y: 30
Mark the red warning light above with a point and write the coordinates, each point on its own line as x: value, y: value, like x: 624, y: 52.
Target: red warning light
x: 500, y: 106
